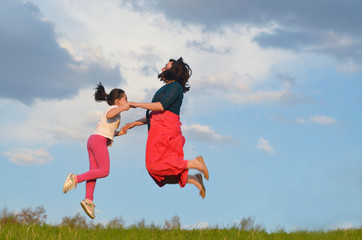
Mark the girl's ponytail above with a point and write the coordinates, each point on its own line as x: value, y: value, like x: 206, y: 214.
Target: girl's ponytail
x: 100, y: 94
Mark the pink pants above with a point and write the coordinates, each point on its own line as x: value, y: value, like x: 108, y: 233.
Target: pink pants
x: 98, y: 163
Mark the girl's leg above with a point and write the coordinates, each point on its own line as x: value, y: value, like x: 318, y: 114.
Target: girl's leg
x: 198, y: 164
x: 90, y: 184
x: 197, y: 181
x: 98, y: 163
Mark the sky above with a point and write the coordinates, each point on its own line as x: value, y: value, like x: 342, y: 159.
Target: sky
x: 274, y: 108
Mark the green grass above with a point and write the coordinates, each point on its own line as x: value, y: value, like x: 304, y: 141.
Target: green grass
x: 30, y: 224
x: 35, y: 231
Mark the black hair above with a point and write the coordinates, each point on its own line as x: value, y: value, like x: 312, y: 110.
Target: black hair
x: 180, y: 71
x: 101, y: 95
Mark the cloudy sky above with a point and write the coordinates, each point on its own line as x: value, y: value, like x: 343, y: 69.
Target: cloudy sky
x: 274, y: 107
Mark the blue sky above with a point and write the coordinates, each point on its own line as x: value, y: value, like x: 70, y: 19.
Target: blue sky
x: 274, y: 108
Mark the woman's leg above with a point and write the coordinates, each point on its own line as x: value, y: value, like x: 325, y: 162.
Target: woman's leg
x: 197, y: 181
x: 198, y: 164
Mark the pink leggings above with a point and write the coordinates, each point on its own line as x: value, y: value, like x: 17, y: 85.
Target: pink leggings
x: 98, y: 163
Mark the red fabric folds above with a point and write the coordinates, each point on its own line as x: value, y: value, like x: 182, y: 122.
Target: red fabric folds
x: 164, y: 150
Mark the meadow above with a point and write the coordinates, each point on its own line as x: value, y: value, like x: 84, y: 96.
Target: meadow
x: 30, y: 224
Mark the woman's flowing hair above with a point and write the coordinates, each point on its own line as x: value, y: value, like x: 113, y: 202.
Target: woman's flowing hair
x: 180, y: 71
x: 101, y: 95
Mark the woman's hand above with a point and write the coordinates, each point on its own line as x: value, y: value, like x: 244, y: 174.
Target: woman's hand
x: 133, y: 104
x: 126, y: 106
x: 120, y: 132
x: 128, y: 126
x: 113, y: 112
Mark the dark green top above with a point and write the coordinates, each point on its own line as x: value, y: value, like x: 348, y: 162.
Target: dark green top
x: 170, y: 96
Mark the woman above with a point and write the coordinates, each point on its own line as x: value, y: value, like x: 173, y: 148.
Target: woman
x: 164, y: 151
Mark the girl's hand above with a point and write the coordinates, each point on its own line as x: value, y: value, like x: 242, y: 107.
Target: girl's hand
x: 133, y: 124
x: 133, y: 104
x: 120, y: 132
x: 126, y: 106
x: 128, y: 126
x: 113, y: 112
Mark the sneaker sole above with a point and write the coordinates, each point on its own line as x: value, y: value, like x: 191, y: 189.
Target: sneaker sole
x: 64, y: 188
x: 86, y: 210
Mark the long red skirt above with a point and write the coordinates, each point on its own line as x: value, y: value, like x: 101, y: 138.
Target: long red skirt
x: 164, y: 150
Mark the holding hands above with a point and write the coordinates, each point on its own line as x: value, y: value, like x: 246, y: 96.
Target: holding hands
x: 125, y: 128
x: 157, y: 106
x: 133, y: 104
x: 128, y: 126
x: 126, y: 106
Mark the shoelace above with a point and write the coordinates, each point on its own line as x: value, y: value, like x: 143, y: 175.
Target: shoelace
x: 90, y: 205
x: 71, y: 181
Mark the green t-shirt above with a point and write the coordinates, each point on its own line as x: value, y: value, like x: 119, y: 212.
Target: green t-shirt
x: 170, y: 96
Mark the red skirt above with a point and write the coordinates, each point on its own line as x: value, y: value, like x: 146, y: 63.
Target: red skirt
x: 164, y: 150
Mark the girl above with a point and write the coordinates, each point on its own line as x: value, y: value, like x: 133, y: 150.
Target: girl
x: 164, y: 150
x: 97, y: 145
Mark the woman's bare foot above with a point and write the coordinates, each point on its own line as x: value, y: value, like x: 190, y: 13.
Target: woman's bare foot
x: 198, y: 182
x: 204, y: 169
x: 203, y: 190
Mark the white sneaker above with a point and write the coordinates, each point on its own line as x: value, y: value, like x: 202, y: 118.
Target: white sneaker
x: 69, y: 183
x: 88, y: 207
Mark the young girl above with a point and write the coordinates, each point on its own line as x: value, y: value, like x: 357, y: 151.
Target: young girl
x: 97, y: 145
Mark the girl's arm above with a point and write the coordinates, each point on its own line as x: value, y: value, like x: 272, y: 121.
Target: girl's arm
x: 114, y: 111
x: 155, y: 106
x: 139, y: 122
x: 124, y: 129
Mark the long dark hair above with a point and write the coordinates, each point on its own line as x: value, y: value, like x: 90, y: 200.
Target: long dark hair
x: 101, y: 95
x: 180, y: 71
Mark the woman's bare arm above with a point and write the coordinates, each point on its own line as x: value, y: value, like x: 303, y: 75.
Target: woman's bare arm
x: 155, y: 106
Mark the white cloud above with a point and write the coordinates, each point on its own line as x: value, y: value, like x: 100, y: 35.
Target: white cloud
x: 100, y: 31
x: 323, y: 120
x: 48, y: 122
x: 204, y: 133
x: 285, y: 96
x: 25, y: 156
x: 265, y: 146
x: 221, y: 59
x: 53, y: 121
x: 344, y: 226
x: 318, y: 119
x: 53, y: 73
x: 349, y: 67
x: 199, y: 225
x: 226, y: 81
x: 300, y: 120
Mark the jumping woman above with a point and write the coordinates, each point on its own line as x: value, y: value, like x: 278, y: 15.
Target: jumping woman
x: 97, y: 145
x: 164, y: 150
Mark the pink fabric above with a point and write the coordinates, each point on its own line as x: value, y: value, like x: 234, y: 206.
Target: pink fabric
x: 98, y: 163
x: 164, y: 150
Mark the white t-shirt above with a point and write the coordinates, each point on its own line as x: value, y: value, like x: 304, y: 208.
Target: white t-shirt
x: 107, y: 127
